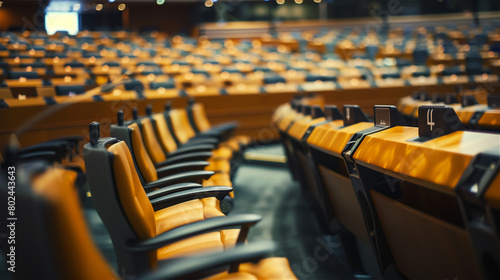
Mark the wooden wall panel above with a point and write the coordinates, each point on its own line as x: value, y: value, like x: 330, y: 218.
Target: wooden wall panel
x: 252, y: 111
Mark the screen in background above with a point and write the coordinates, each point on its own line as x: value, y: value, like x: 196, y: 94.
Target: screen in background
x: 62, y: 21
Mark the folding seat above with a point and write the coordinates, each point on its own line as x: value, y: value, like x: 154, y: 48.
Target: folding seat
x: 332, y: 185
x: 480, y: 116
x: 4, y: 52
x: 474, y: 64
x: 161, y: 145
x: 147, y: 231
x: 470, y: 111
x: 297, y: 113
x: 299, y: 133
x: 409, y: 106
x: 171, y: 149
x: 154, y: 167
x: 166, y: 84
x: 200, y: 124
x: 490, y: 120
x: 371, y: 51
x: 24, y: 74
x: 420, y: 56
x: 65, y: 90
x: 52, y: 223
x: 406, y: 179
x: 184, y: 134
x: 328, y: 145
x: 75, y: 64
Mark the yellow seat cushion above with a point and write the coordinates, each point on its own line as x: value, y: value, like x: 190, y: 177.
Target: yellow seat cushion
x: 233, y: 144
x: 211, y: 207
x: 218, y: 165
x: 229, y: 237
x: 223, y: 152
x: 219, y: 179
x: 242, y: 139
x: 233, y: 276
x: 270, y: 268
x: 208, y: 242
x: 178, y: 215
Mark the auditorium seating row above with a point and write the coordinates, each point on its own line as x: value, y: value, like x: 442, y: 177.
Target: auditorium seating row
x: 471, y: 113
x: 161, y: 185
x: 425, y: 199
x: 91, y: 59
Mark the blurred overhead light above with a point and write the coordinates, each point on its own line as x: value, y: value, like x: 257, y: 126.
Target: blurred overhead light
x: 209, y: 3
x: 298, y: 1
x: 76, y: 7
x: 1, y: 3
x: 317, y: 1
x: 160, y: 2
x: 280, y: 2
x: 98, y: 7
x: 121, y: 7
x: 111, y: 1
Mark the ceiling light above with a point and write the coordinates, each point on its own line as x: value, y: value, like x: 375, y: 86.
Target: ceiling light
x: 160, y: 2
x: 121, y: 7
x: 98, y: 7
x: 76, y: 7
x: 317, y: 1
x: 209, y: 3
x: 280, y: 2
x: 299, y: 1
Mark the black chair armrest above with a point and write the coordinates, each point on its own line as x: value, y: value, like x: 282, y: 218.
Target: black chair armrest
x: 175, y: 168
x: 186, y: 157
x: 172, y: 189
x: 59, y: 148
x: 48, y: 156
x: 184, y: 177
x: 198, y: 267
x: 201, y: 140
x: 218, y: 192
x: 73, y: 140
x: 194, y: 148
x: 225, y: 126
x: 194, y: 229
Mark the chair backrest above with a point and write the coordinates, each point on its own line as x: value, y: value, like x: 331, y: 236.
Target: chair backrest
x: 120, y: 200
x: 181, y: 126
x: 69, y: 89
x: 143, y: 160
x: 151, y: 142
x: 198, y: 117
x: 164, y: 135
x: 71, y: 251
x: 133, y: 198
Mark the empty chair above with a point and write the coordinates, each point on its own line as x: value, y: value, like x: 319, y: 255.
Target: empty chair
x: 23, y: 74
x: 420, y: 56
x: 155, y: 169
x: 50, y: 208
x: 185, y: 134
x: 142, y: 237
x: 406, y: 178
x: 69, y: 90
x: 329, y: 145
x: 171, y: 149
x: 201, y: 125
